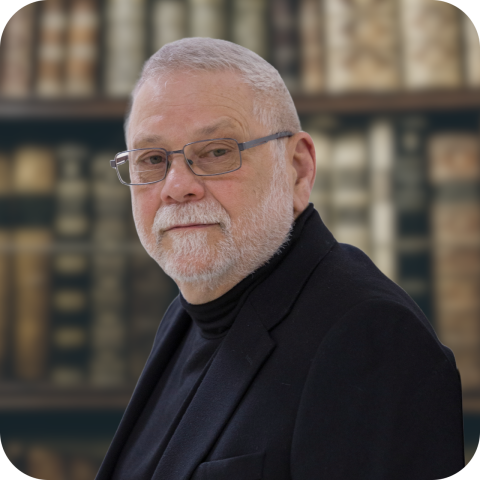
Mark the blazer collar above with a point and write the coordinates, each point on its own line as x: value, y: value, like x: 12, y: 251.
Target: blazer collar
x: 273, y: 299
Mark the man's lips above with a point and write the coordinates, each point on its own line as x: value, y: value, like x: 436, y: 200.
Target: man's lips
x: 190, y: 225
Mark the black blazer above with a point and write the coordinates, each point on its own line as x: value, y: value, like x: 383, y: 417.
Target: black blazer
x: 330, y: 371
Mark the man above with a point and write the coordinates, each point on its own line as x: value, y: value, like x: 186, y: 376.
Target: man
x: 286, y: 355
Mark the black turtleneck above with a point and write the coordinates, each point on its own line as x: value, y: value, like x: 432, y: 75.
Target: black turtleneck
x: 187, y: 367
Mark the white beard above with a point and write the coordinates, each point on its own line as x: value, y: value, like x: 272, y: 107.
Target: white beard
x: 246, y: 245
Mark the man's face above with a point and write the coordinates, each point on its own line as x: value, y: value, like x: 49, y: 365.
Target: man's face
x: 207, y: 229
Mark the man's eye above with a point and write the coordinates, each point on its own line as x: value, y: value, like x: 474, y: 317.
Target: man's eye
x: 218, y: 152
x: 155, y: 159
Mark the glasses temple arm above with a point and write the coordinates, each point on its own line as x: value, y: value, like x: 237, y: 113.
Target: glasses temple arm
x: 260, y: 141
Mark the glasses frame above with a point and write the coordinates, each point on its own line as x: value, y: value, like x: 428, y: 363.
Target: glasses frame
x: 241, y: 147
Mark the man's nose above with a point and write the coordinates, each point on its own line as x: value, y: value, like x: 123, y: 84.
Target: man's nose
x: 181, y: 184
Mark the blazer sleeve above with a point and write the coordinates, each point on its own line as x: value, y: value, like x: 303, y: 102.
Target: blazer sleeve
x: 382, y: 401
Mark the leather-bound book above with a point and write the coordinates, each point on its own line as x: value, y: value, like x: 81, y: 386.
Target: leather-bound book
x: 16, y: 54
x: 82, y: 48
x: 431, y: 41
x: 51, y: 53
x: 361, y: 44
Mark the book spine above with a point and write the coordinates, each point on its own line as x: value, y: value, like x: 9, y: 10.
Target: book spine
x: 169, y: 22
x: 431, y: 44
x: 51, y: 49
x: 5, y: 261
x: 69, y: 332
x: 361, y: 45
x: 31, y: 302
x: 249, y: 25
x: 382, y: 208
x: 471, y: 48
x: 454, y: 167
x: 33, y: 179
x: 108, y: 361
x: 285, y: 47
x: 311, y: 47
x: 208, y: 18
x: 350, y: 189
x: 125, y: 45
x: 412, y: 199
x: 82, y: 41
x: 17, y: 54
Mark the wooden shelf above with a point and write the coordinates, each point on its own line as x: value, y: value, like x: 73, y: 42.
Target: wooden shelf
x: 23, y: 397
x: 114, y: 109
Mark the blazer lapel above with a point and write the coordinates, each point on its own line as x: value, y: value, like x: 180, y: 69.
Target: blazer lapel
x: 167, y: 339
x: 240, y: 356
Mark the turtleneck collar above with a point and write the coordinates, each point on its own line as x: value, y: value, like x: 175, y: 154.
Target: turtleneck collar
x: 215, y: 318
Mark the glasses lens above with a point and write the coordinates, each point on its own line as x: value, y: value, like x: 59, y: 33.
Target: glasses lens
x: 213, y: 156
x: 142, y: 166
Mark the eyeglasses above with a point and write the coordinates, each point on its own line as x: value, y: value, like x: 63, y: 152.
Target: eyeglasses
x: 214, y: 156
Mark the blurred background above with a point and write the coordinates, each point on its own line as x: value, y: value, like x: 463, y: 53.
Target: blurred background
x: 389, y: 91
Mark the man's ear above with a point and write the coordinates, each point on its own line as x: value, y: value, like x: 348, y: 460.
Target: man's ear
x: 304, y: 164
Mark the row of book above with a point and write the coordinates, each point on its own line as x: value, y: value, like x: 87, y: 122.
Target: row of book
x: 81, y: 300
x: 79, y: 297
x: 60, y: 460
x: 97, y: 47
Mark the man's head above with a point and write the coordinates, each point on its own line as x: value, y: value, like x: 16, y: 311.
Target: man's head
x: 209, y: 232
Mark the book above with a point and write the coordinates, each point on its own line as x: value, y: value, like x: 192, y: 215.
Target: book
x: 33, y: 181
x: 169, y: 22
x: 382, y: 207
x: 16, y: 50
x: 50, y: 76
x: 70, y: 292
x: 430, y: 33
x: 350, y: 189
x: 125, y: 45
x: 285, y: 47
x: 82, y: 48
x: 31, y: 306
x: 454, y: 171
x: 5, y: 260
x: 361, y: 45
x: 108, y: 329
x: 312, y: 71
x: 208, y: 18
x: 249, y: 27
x: 411, y: 198
x: 471, y: 49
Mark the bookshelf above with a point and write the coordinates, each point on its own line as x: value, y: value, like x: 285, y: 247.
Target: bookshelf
x: 298, y: 37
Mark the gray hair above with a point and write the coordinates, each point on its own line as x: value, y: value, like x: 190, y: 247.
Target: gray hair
x: 273, y: 104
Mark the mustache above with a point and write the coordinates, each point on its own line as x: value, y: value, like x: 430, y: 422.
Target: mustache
x: 205, y: 211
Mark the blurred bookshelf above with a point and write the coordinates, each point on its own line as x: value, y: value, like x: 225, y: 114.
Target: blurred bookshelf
x: 389, y: 91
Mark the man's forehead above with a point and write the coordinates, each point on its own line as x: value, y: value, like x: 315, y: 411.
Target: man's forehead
x: 222, y: 124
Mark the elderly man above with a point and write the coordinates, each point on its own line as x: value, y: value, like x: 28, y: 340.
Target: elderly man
x: 286, y: 355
